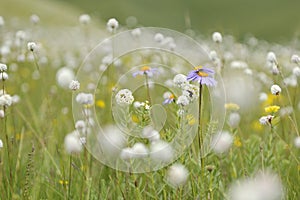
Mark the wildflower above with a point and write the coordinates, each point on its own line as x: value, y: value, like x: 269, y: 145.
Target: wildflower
x: 151, y: 134
x: 180, y: 80
x: 217, y: 37
x: 3, y: 76
x: 2, y: 22
x: 100, y: 104
x: 63, y: 182
x: 158, y: 37
x: 295, y: 59
x: 237, y: 142
x: 64, y: 76
x: 1, y: 144
x: 80, y: 124
x: 231, y: 107
x: 35, y: 19
x: 124, y: 97
x: 3, y: 67
x: 183, y: 100
x: 85, y: 98
x: 221, y: 142
x: 112, y: 25
x: 74, y: 85
x: 234, y: 119
x: 2, y: 114
x: 126, y: 154
x: 264, y: 186
x: 272, y: 109
x: 31, y: 46
x: 275, y: 89
x: 296, y: 71
x: 5, y: 100
x: 72, y: 143
x: 136, y: 32
x: 202, y: 76
x: 297, y: 142
x: 145, y: 70
x: 139, y: 150
x: 161, y: 151
x: 84, y: 19
x: 191, y: 92
x: 266, y: 119
x: 169, y: 98
x: 271, y: 58
x: 177, y: 175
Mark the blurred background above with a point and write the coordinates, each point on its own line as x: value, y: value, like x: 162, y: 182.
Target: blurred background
x: 272, y: 20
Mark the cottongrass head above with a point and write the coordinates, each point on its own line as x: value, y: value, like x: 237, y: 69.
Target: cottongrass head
x: 5, y: 100
x: 264, y: 186
x: 275, y: 89
x: 295, y: 59
x: 73, y: 143
x: 2, y: 114
x: 84, y: 19
x: 74, y: 85
x: 85, y: 98
x: 3, y: 67
x: 221, y: 142
x: 297, y: 142
x: 161, y: 152
x: 217, y: 37
x: 151, y: 134
x: 112, y: 25
x: 234, y: 119
x: 31, y: 46
x: 180, y: 80
x: 177, y: 175
x: 64, y: 76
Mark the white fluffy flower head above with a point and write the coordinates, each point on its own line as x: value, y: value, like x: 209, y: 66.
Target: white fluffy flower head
x: 84, y: 19
x: 5, y: 100
x: 183, y: 100
x: 217, y: 37
x: 275, y: 89
x: 221, y: 142
x: 124, y: 97
x: 295, y: 59
x: 112, y: 24
x: 74, y: 85
x: 297, y: 142
x: 85, y: 98
x: 177, y: 175
x: 180, y: 80
x: 3, y: 67
x: 73, y: 143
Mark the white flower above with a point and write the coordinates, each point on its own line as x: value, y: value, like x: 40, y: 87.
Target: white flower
x: 20, y: 35
x: 2, y: 114
x: 275, y: 89
x: 15, y: 99
x: 34, y: 19
x: 2, y: 22
x: 126, y: 154
x: 1, y: 144
x: 80, y: 124
x: 158, y: 37
x: 85, y: 98
x: 151, y: 134
x: 263, y: 96
x: 295, y: 59
x: 3, y: 76
x: 180, y: 80
x: 297, y: 142
x: 31, y: 46
x: 221, y: 142
x: 124, y: 97
x: 266, y: 119
x: 136, y: 32
x: 167, y: 95
x: 84, y: 19
x: 177, y: 175
x: 64, y: 76
x: 137, y: 104
x: 161, y: 151
x: 291, y: 81
x: 5, y: 100
x: 296, y: 71
x: 217, y: 37
x: 183, y: 100
x: 234, y: 119
x: 238, y: 64
x: 73, y: 143
x: 112, y: 24
x: 264, y: 186
x: 213, y: 55
x: 139, y: 150
x: 74, y: 85
x: 271, y: 57
x: 3, y: 67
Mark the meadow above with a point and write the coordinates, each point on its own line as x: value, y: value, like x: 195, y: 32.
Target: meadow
x: 111, y: 111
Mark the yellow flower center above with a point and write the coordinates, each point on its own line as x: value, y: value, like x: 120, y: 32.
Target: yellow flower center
x: 171, y: 96
x: 200, y: 73
x: 145, y: 68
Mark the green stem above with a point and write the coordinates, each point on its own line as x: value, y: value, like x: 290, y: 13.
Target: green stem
x: 148, y: 89
x: 200, y: 134
x: 70, y: 177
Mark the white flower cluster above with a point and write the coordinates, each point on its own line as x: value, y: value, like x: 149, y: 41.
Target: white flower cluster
x: 124, y: 97
x: 85, y: 98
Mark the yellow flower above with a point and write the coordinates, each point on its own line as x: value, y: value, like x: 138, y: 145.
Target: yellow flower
x: 63, y: 182
x: 257, y: 126
x: 272, y: 109
x: 231, y: 107
x: 100, y: 103
x: 237, y: 142
x: 191, y: 119
x: 135, y: 119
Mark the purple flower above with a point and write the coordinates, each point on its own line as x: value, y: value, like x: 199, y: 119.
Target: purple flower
x: 169, y: 99
x: 203, y: 76
x: 145, y: 70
